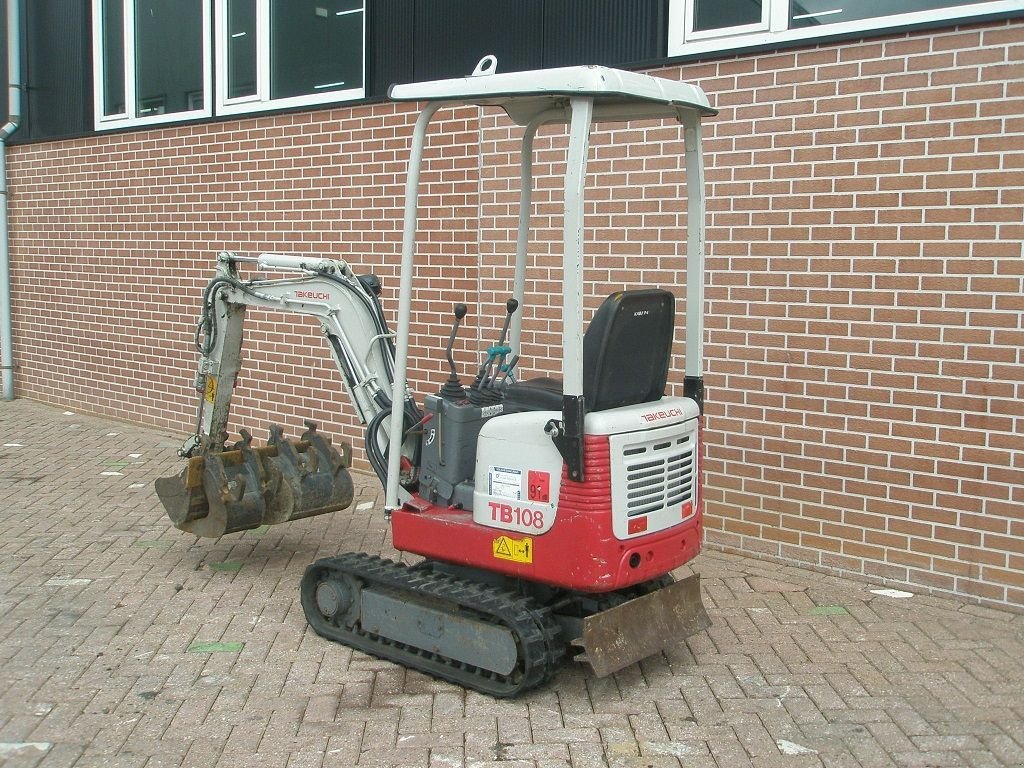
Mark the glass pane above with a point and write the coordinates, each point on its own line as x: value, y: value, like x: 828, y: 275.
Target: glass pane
x: 721, y: 14
x: 316, y: 46
x: 168, y: 56
x: 113, y: 57
x: 809, y: 13
x: 241, y: 48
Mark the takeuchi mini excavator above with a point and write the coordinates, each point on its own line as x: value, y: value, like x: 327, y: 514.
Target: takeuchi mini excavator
x: 549, y: 512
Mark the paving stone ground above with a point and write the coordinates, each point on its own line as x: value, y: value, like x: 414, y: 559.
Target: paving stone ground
x: 103, y: 603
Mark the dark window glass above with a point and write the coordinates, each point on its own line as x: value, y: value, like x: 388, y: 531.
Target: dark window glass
x: 241, y: 48
x: 168, y: 56
x: 721, y: 14
x: 113, y: 57
x: 316, y: 46
x: 809, y: 13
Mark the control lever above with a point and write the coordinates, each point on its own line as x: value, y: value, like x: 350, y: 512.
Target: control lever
x: 504, y: 372
x: 510, y: 308
x: 453, y: 389
x: 496, y: 354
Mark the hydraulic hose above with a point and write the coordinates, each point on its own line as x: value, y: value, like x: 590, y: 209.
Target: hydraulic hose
x: 377, y: 313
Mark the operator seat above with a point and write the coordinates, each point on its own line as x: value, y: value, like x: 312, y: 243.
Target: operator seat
x: 626, y: 352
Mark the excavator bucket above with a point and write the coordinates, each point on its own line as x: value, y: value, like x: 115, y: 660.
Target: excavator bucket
x: 235, y: 490
x: 623, y: 635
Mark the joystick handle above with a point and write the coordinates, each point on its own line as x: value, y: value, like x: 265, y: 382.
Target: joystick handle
x: 460, y: 312
x: 453, y: 389
x: 510, y: 309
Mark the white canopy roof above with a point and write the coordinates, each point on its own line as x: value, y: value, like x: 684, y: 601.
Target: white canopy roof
x: 617, y: 94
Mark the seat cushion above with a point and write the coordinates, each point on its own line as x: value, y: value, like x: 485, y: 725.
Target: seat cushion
x: 543, y: 394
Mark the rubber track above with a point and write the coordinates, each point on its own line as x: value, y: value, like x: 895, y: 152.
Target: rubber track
x: 536, y: 633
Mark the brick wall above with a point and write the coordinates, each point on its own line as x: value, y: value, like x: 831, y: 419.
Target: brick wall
x: 866, y: 295
x: 864, y: 366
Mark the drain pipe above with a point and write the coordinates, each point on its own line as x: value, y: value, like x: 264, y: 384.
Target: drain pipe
x: 13, y: 121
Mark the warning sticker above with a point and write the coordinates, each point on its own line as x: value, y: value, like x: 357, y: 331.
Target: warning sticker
x: 506, y: 483
x: 516, y: 550
x: 211, y: 388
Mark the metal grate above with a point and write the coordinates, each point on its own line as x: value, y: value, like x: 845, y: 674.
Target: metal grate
x: 659, y: 474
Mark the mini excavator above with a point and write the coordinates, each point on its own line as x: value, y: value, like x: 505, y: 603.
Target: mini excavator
x: 548, y: 512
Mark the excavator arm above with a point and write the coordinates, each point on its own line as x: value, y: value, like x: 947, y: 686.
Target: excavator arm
x: 232, y: 488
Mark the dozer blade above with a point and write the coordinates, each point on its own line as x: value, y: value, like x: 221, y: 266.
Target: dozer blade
x: 236, y: 490
x: 627, y: 633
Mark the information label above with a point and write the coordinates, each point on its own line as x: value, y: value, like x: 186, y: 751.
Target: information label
x: 505, y: 483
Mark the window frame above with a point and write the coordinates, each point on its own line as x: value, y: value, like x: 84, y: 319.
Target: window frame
x: 221, y: 51
x: 742, y: 29
x: 682, y: 41
x: 215, y: 71
x: 262, y: 101
x: 129, y: 118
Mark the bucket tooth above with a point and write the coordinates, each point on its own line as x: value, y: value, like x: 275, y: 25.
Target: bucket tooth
x: 623, y: 635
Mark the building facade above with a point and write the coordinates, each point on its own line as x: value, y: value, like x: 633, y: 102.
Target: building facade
x: 865, y: 285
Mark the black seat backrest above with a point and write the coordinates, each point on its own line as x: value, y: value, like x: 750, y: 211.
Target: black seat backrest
x: 626, y: 352
x: 627, y: 349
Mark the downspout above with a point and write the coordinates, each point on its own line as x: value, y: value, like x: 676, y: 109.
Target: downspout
x: 13, y: 121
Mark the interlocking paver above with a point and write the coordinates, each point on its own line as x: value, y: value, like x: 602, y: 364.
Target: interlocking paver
x: 103, y: 603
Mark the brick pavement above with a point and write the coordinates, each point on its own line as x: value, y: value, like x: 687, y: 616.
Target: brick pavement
x: 103, y: 604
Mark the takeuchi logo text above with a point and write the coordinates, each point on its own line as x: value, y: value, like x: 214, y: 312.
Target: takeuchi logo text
x: 671, y: 413
x: 313, y: 295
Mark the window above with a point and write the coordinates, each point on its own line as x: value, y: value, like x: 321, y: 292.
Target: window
x: 705, y: 26
x: 285, y: 53
x: 113, y: 58
x: 151, y: 62
x: 738, y: 16
x: 240, y: 44
x: 160, y: 60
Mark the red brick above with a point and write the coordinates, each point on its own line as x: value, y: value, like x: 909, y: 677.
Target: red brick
x: 982, y: 556
x: 972, y: 586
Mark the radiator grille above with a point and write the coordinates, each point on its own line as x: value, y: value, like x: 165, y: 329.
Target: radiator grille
x: 659, y: 474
